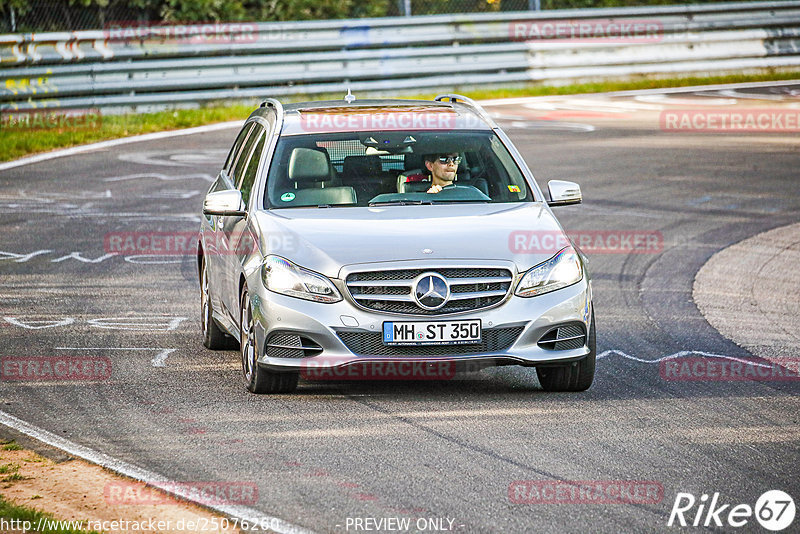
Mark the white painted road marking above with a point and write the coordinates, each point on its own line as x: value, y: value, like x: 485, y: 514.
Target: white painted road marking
x: 177, y: 194
x: 251, y: 515
x: 688, y: 100
x: 681, y: 354
x: 160, y: 176
x: 149, y: 324
x: 154, y: 259
x: 142, y: 259
x: 158, y: 360
x: 38, y: 324
x: 21, y: 258
x: 77, y: 256
x: 176, y: 158
x: 138, y: 323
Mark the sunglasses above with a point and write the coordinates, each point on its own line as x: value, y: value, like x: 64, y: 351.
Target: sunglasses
x: 444, y: 160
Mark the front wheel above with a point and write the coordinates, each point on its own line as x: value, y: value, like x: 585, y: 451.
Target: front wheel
x: 256, y: 379
x: 573, y: 376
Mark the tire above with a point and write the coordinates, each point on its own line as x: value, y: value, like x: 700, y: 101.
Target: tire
x: 574, y: 376
x: 257, y: 379
x: 214, y: 337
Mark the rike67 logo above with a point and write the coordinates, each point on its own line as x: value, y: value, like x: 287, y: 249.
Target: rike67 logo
x: 774, y: 510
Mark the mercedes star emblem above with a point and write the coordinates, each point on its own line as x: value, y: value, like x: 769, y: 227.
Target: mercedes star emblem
x: 431, y: 291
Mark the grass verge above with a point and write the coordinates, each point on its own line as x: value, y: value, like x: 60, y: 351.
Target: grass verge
x: 16, y: 142
x: 18, y: 518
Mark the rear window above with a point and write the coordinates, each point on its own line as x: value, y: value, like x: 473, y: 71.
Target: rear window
x: 339, y: 150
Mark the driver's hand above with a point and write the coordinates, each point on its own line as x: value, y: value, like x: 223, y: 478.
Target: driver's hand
x: 435, y: 189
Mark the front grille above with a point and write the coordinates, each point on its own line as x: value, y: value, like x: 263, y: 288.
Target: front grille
x: 371, y: 343
x: 564, y: 337
x: 290, y: 345
x: 471, y: 288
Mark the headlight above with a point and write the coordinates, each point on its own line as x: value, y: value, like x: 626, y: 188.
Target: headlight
x: 282, y: 276
x: 562, y: 270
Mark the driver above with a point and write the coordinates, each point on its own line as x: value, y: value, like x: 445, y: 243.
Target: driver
x: 443, y: 170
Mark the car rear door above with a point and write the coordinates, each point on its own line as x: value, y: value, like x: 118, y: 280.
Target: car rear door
x: 237, y: 239
x: 214, y: 247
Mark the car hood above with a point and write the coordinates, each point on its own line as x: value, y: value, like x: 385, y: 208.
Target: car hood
x: 326, y: 239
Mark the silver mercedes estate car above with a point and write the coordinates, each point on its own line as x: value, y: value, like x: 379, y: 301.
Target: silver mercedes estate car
x: 389, y: 239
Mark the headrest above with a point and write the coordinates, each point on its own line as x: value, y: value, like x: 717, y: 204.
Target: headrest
x: 362, y: 165
x: 308, y: 165
x: 413, y: 161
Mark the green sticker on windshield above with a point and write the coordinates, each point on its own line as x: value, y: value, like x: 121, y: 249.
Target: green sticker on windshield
x: 287, y: 197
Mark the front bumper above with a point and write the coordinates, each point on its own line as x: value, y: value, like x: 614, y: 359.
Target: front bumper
x: 348, y: 335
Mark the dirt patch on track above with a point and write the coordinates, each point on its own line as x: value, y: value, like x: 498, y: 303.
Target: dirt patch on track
x: 73, y: 490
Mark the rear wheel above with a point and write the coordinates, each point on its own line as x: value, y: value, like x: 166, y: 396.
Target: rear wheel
x: 573, y: 376
x: 213, y: 336
x: 256, y: 379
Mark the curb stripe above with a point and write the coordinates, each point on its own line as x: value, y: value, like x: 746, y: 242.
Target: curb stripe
x: 244, y: 513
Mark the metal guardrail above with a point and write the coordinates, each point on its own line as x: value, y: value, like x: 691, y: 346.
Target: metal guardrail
x: 125, y: 68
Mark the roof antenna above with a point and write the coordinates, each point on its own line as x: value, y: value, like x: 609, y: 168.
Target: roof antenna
x: 349, y: 96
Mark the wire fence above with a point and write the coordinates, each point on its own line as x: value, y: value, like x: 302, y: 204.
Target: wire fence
x: 155, y: 68
x: 24, y: 16
x: 50, y: 15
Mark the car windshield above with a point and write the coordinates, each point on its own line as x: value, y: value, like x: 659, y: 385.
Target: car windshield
x: 392, y: 168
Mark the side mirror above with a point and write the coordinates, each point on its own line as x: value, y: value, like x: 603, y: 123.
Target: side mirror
x: 564, y: 193
x: 228, y: 202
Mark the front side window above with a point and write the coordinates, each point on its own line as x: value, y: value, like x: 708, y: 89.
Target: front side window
x: 386, y: 168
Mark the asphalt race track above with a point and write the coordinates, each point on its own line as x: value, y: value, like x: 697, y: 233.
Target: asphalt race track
x: 449, y: 453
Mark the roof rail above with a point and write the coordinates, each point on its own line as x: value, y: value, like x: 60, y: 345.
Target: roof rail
x: 452, y: 98
x: 275, y: 103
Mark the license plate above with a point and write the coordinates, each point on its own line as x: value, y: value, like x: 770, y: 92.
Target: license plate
x: 432, y: 333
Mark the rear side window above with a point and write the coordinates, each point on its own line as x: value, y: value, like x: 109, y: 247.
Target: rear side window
x: 244, y: 155
x: 248, y: 177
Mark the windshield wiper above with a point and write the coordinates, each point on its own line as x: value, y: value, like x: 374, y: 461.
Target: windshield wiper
x: 403, y: 202
x: 472, y: 201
